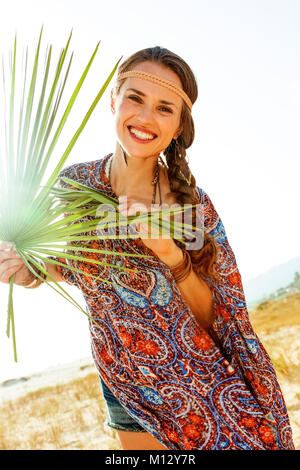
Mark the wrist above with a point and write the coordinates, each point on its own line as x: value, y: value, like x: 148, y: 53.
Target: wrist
x: 35, y: 280
x: 174, y: 257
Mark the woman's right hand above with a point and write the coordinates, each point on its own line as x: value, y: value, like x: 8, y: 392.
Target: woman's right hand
x: 12, y: 263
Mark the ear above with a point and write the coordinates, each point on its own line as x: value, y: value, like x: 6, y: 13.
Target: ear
x: 112, y: 101
x: 177, y: 133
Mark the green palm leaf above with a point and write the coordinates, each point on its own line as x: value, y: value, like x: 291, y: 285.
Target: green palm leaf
x: 27, y: 207
x: 45, y: 221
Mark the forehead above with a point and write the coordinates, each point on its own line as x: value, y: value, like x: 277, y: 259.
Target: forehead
x: 154, y: 89
x: 159, y: 70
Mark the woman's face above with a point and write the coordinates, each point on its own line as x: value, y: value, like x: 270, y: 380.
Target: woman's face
x: 147, y: 115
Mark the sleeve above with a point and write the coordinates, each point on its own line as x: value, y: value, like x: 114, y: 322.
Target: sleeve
x: 240, y: 344
x: 228, y: 292
x: 68, y: 275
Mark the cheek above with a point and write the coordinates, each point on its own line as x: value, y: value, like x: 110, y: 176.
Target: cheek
x: 169, y: 127
x: 120, y: 116
x: 124, y: 108
x: 123, y: 113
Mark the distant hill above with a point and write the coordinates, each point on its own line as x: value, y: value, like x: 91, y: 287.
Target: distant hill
x: 262, y: 286
x: 277, y: 314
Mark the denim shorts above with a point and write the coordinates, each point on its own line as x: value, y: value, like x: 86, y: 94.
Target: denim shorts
x: 118, y: 417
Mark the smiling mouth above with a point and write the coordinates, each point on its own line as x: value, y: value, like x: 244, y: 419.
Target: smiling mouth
x: 140, y: 135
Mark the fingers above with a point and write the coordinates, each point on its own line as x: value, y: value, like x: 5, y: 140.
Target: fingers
x: 10, y: 261
x: 8, y: 268
x: 135, y: 208
x: 6, y: 246
x: 145, y: 228
x: 6, y: 276
x: 122, y: 203
x: 131, y: 209
x: 7, y: 252
x: 9, y: 255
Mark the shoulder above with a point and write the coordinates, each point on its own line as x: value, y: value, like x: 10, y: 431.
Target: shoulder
x: 202, y: 195
x: 80, y: 171
x: 204, y: 199
x: 211, y: 219
x: 91, y: 173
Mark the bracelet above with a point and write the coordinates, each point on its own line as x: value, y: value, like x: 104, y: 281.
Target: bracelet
x: 37, y: 282
x: 181, y: 270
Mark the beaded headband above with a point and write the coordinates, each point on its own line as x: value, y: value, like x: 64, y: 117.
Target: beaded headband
x: 160, y: 81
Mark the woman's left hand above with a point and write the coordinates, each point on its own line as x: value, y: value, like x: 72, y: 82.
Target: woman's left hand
x: 161, y: 245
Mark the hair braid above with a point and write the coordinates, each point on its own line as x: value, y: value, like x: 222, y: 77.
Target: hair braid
x: 183, y: 184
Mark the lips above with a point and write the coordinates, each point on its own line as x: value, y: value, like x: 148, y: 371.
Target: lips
x: 141, y: 134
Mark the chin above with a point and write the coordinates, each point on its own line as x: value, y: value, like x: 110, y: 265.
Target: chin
x: 133, y: 151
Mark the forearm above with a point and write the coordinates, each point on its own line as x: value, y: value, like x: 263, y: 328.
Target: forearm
x: 194, y: 290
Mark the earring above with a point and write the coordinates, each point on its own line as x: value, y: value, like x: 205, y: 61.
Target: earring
x: 177, y: 149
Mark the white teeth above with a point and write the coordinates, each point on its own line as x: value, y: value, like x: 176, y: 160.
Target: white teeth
x: 141, y: 135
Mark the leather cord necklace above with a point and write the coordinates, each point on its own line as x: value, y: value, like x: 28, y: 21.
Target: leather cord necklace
x: 156, y: 179
x: 181, y: 270
x: 156, y: 182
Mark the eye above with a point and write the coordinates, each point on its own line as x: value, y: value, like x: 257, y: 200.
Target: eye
x: 135, y: 98
x: 165, y: 109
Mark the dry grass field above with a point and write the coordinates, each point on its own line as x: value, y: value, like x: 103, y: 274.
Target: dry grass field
x: 72, y: 415
x: 66, y: 416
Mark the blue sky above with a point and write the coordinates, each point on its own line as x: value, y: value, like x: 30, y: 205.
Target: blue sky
x: 245, y: 55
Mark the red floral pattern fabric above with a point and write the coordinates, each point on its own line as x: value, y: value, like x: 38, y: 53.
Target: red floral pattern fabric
x: 186, y: 389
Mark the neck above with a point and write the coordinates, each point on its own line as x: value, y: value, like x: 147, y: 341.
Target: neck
x: 135, y: 177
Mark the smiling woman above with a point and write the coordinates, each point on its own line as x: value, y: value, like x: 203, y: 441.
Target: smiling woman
x: 179, y: 363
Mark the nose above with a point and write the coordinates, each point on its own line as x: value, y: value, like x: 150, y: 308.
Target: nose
x: 145, y: 114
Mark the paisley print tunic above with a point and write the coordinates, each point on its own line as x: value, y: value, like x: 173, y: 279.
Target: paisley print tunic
x: 186, y: 389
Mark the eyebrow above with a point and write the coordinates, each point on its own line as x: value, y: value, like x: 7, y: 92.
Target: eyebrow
x: 138, y: 92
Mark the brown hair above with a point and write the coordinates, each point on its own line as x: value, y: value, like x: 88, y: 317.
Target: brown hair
x: 203, y: 260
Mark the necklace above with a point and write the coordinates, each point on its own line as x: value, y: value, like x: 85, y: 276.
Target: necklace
x: 156, y: 182
x: 156, y: 179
